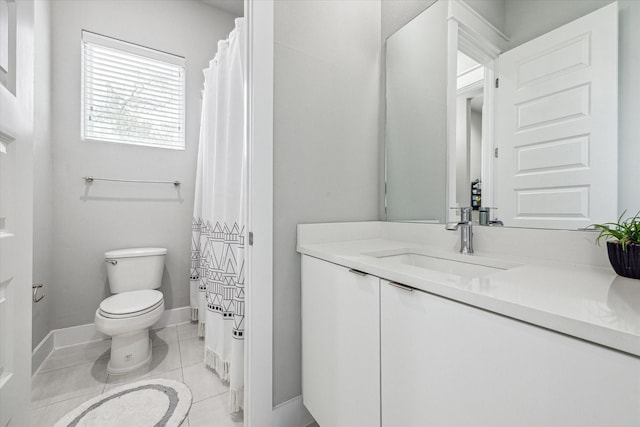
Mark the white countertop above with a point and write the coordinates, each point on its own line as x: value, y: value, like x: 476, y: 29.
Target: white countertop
x: 587, y: 302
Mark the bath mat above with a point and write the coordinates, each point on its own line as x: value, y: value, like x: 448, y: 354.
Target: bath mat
x: 156, y: 403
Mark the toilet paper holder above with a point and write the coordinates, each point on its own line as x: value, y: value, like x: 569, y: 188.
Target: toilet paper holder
x: 36, y: 287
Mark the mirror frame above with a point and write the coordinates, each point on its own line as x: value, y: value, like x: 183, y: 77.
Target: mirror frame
x: 476, y: 37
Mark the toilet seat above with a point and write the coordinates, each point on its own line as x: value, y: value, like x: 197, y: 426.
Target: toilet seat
x: 131, y: 304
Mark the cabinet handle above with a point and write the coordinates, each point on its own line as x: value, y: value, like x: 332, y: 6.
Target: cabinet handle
x: 401, y: 286
x: 358, y: 272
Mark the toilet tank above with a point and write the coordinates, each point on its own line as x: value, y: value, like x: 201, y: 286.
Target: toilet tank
x: 135, y: 269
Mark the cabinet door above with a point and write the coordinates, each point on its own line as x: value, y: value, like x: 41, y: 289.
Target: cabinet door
x: 340, y: 345
x: 449, y: 364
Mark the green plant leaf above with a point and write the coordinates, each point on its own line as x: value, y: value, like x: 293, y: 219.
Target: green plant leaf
x: 624, y: 231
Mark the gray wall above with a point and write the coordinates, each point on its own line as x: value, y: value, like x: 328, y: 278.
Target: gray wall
x: 43, y: 171
x: 492, y: 10
x: 91, y: 219
x: 416, y: 118
x: 629, y: 107
x: 527, y: 19
x: 325, y: 144
x: 395, y: 14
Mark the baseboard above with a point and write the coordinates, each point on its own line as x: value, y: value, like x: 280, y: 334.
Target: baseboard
x: 41, y: 352
x: 86, y: 333
x: 291, y: 413
x: 175, y: 316
x: 76, y: 335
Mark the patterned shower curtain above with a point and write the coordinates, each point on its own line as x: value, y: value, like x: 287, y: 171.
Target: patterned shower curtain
x: 218, y: 230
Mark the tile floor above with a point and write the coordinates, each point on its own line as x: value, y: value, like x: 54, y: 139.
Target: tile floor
x: 72, y: 375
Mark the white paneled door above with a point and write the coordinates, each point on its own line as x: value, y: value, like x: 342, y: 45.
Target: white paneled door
x: 557, y: 108
x: 16, y: 209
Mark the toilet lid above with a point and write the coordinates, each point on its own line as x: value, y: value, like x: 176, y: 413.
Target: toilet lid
x: 130, y: 303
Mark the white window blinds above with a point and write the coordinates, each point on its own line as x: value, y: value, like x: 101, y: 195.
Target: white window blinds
x: 131, y: 94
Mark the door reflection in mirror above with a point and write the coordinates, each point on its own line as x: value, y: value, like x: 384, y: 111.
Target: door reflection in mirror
x: 554, y: 164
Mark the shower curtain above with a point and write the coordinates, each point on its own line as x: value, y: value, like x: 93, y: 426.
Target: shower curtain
x: 218, y: 229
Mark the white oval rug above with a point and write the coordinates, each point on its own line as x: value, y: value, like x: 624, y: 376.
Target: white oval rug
x: 152, y: 403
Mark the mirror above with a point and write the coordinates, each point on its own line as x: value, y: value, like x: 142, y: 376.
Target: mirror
x: 442, y: 128
x: 416, y: 124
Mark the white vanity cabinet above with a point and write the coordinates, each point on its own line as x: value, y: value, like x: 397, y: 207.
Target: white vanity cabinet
x: 376, y: 353
x: 340, y: 345
x: 444, y: 363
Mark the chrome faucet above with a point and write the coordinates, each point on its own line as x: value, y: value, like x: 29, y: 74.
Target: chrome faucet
x: 466, y: 230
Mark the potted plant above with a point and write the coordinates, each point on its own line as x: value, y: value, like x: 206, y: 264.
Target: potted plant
x: 623, y: 244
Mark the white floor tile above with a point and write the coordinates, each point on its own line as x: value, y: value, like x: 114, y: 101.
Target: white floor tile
x: 72, y: 375
x: 203, y: 382
x: 191, y: 351
x: 213, y: 412
x: 66, y: 383
x: 168, y: 335
x: 47, y: 416
x: 175, y: 374
x: 187, y: 330
x: 64, y: 357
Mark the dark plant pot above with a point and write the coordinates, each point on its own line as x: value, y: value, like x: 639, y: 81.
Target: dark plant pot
x: 625, y: 263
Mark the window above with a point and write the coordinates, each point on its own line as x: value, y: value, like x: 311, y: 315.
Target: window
x: 131, y: 94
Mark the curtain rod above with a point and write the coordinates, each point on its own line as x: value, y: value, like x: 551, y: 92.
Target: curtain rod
x: 93, y: 178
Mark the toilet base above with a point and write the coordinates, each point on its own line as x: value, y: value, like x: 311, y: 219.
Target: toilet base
x: 129, y: 352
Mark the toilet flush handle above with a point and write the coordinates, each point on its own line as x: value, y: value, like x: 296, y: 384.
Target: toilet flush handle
x: 112, y: 261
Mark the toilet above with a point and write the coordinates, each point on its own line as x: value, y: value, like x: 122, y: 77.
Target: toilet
x: 134, y: 276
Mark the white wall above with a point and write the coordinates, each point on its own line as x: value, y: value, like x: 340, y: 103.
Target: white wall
x: 43, y: 171
x: 91, y: 219
x: 468, y: 147
x: 475, y: 145
x: 326, y: 98
x: 462, y: 150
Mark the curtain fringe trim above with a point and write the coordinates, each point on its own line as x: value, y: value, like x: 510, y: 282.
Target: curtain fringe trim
x: 194, y: 314
x: 215, y: 362
x: 201, y: 326
x: 236, y: 400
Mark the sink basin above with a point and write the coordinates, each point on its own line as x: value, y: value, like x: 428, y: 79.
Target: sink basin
x: 442, y: 265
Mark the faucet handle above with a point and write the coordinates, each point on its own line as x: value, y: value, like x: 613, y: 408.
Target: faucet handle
x: 452, y: 226
x: 465, y: 212
x: 485, y: 217
x: 462, y: 209
x: 458, y: 210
